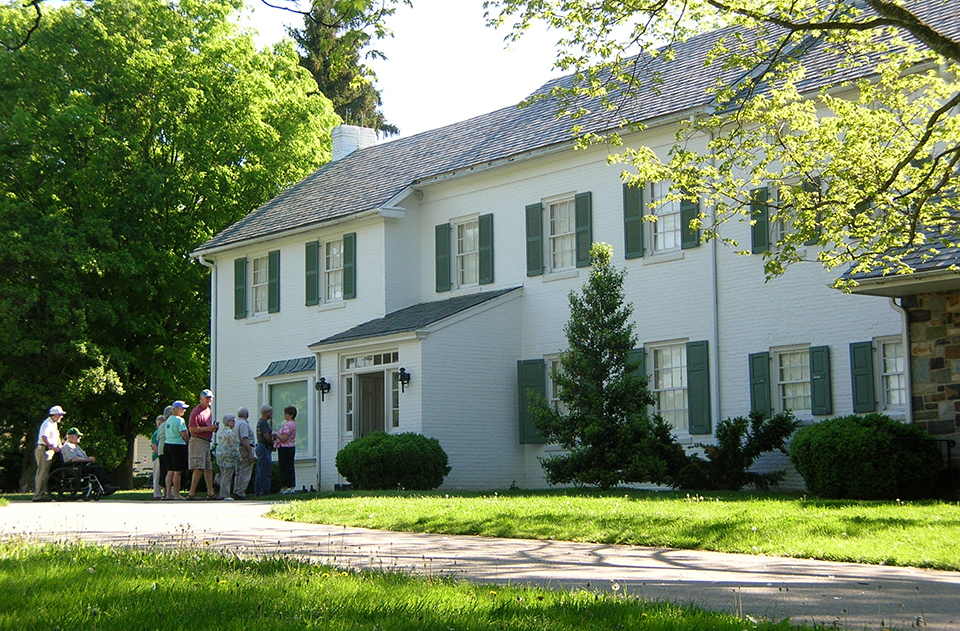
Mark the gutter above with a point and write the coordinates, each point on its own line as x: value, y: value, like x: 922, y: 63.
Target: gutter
x: 213, y: 326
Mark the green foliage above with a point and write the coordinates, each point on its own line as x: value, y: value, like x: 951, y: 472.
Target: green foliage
x: 602, y: 419
x: 846, y: 109
x: 132, y: 131
x: 330, y: 42
x: 866, y: 457
x: 740, y: 441
x: 393, y: 461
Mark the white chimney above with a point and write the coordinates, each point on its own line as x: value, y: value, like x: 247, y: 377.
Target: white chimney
x: 349, y: 138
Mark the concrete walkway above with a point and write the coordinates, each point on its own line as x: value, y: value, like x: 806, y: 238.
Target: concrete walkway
x: 852, y: 596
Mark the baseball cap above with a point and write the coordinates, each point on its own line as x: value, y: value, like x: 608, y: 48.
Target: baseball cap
x: 206, y: 393
x: 56, y: 410
x: 179, y: 404
x: 74, y: 431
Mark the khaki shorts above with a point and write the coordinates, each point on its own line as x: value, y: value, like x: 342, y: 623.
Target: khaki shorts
x: 198, y: 451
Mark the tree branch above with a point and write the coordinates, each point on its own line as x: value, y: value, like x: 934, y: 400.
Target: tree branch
x: 33, y: 27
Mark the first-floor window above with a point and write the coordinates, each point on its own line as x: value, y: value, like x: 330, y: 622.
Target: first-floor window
x: 348, y: 402
x: 554, y: 367
x: 793, y: 379
x: 394, y: 398
x: 669, y: 384
x: 281, y: 395
x: 260, y: 285
x: 892, y: 373
x: 333, y: 271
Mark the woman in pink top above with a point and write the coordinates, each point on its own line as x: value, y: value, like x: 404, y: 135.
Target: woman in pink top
x: 285, y: 441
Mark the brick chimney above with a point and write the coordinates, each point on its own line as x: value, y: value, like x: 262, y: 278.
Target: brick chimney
x: 349, y: 138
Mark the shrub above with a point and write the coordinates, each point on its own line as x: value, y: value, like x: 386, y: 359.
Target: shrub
x: 381, y: 461
x: 740, y: 441
x: 866, y: 457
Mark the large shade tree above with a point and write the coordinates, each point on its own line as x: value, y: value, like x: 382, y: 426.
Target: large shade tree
x: 846, y: 108
x: 130, y: 132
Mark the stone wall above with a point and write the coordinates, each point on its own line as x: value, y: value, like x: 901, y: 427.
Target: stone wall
x: 935, y: 361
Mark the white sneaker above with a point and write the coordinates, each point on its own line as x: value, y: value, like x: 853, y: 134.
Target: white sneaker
x: 228, y: 499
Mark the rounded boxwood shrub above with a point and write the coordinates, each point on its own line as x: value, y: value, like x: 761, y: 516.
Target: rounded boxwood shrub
x: 866, y: 457
x: 381, y: 461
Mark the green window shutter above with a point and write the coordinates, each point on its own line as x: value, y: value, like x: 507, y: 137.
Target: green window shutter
x: 442, y: 240
x: 273, y: 281
x: 350, y: 266
x: 698, y: 387
x: 689, y: 237
x: 531, y: 377
x: 760, y: 230
x: 311, y: 273
x: 760, y: 383
x: 240, y: 289
x: 638, y: 356
x: 862, y: 377
x: 485, y: 253
x: 820, y: 390
x: 534, y: 218
x: 583, y: 223
x: 632, y: 221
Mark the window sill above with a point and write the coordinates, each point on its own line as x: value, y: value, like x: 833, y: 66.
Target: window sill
x: 564, y: 275
x: 465, y: 290
x: 330, y: 306
x: 257, y: 319
x: 664, y: 257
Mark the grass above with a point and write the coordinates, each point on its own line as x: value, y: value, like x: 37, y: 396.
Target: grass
x: 104, y: 589
x: 919, y: 534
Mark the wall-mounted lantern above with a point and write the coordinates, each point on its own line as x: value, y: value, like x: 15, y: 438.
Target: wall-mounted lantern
x: 404, y: 378
x: 322, y: 386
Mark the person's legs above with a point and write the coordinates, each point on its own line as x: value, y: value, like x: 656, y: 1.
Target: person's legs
x: 242, y: 477
x: 43, y: 473
x: 157, y: 492
x: 226, y: 481
x: 261, y: 485
x: 198, y: 459
x: 287, y: 471
x: 208, y: 478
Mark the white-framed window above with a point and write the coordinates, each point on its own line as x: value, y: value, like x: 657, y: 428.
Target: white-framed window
x: 369, y: 375
x: 893, y: 380
x: 333, y: 270
x: 259, y: 286
x: 281, y: 394
x: 348, y: 403
x: 553, y: 364
x: 561, y: 228
x: 666, y: 234
x: 467, y: 235
x: 792, y: 366
x: 394, y: 398
x: 668, y: 384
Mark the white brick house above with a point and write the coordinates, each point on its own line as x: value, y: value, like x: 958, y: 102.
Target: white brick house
x: 449, y: 255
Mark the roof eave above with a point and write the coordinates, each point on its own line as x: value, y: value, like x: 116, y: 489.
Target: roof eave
x: 908, y: 284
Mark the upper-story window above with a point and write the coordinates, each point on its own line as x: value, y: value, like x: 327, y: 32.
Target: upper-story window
x: 675, y: 227
x: 562, y: 226
x: 559, y: 233
x: 330, y: 270
x: 257, y: 291
x: 468, y: 252
x: 666, y: 229
x: 464, y: 252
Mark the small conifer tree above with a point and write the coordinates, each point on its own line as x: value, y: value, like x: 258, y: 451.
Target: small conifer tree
x: 602, y: 418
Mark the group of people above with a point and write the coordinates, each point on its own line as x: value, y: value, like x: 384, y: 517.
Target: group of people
x: 180, y: 444
x: 49, y: 445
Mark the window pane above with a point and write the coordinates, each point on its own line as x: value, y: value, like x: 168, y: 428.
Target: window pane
x: 666, y: 230
x: 260, y: 285
x: 670, y: 384
x: 563, y: 244
x: 333, y: 271
x: 793, y: 382
x: 892, y: 376
x: 295, y: 394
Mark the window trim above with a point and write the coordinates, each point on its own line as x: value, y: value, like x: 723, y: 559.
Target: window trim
x: 778, y: 398
x: 897, y: 409
x: 652, y: 349
x: 384, y: 361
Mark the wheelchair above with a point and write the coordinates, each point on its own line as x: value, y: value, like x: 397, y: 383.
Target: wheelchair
x: 68, y: 483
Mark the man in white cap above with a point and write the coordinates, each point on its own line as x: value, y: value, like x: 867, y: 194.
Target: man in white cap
x: 48, y: 445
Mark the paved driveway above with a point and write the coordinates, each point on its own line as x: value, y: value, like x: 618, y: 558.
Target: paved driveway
x: 817, y: 592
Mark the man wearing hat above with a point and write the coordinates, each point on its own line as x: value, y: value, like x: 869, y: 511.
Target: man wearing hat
x: 48, y: 444
x: 201, y: 430
x: 73, y: 453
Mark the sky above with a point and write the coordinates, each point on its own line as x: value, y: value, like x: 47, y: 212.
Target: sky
x: 443, y: 64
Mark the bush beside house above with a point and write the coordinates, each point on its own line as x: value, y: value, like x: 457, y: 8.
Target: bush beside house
x: 381, y: 461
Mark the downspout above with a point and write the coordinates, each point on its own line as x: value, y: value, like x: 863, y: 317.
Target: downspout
x: 213, y: 327
x: 907, y: 354
x: 715, y: 287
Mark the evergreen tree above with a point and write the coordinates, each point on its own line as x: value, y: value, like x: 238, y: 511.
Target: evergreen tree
x: 330, y: 43
x: 602, y: 418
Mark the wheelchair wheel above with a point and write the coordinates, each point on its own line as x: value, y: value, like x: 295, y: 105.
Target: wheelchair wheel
x: 65, y: 483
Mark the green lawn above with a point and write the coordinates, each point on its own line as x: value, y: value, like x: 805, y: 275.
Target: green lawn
x: 103, y: 589
x: 920, y: 534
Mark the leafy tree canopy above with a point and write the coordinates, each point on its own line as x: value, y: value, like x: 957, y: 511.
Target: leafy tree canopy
x: 130, y: 132
x: 847, y: 109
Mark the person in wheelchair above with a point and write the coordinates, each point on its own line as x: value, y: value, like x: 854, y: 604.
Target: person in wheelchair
x: 73, y: 454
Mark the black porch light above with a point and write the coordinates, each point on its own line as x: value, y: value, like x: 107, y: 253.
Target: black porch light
x: 404, y: 378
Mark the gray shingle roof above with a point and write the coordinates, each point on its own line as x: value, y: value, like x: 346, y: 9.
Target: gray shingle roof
x: 369, y: 178
x: 288, y: 366
x: 414, y: 318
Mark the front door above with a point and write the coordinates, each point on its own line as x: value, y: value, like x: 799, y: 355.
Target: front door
x: 371, y: 403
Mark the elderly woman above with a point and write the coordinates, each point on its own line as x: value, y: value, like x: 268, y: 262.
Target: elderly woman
x: 159, y: 473
x: 175, y: 449
x: 285, y: 441
x: 228, y: 455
